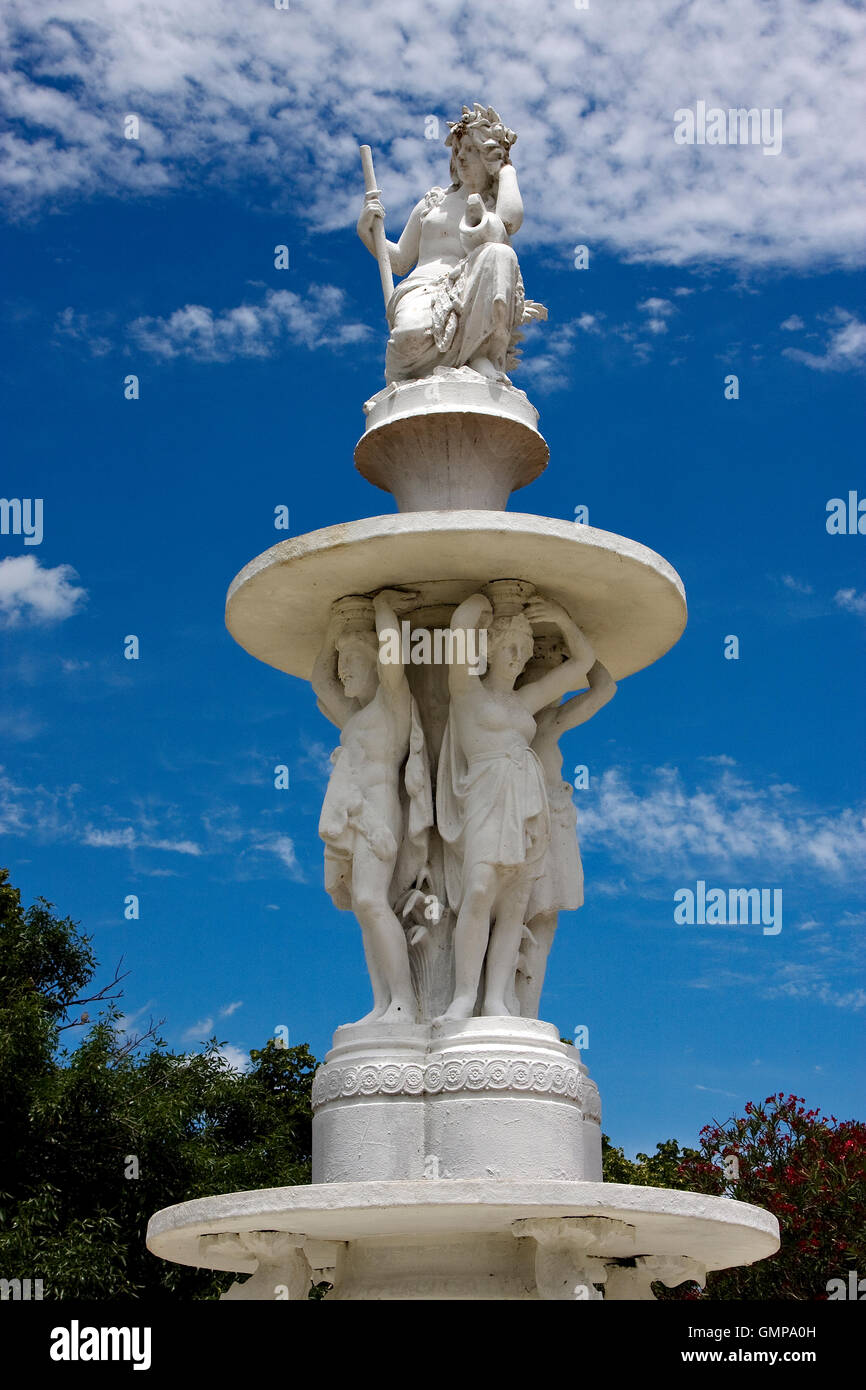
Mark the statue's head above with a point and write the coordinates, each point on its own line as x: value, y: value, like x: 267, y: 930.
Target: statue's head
x: 357, y: 655
x: 471, y: 140
x: 548, y: 652
x: 509, y: 644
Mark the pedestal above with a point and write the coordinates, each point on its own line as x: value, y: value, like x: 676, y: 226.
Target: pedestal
x: 453, y: 440
x: 486, y: 1098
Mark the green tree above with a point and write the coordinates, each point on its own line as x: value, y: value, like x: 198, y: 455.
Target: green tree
x: 76, y: 1126
x: 661, y: 1169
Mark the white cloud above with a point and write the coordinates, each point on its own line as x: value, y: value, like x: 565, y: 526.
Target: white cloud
x: 554, y: 351
x: 792, y: 323
x: 795, y: 980
x: 313, y: 320
x: 799, y: 586
x: 78, y: 327
x: 128, y: 838
x: 110, y: 839
x: 733, y: 825
x: 844, y: 349
x: 238, y: 1060
x: 851, y: 601
x: 229, y: 91
x: 658, y: 311
x: 228, y: 1009
x: 284, y: 849
x: 200, y: 1031
x: 30, y: 593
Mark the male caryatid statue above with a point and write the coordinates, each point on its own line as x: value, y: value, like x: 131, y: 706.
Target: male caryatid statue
x: 559, y: 886
x: 374, y: 825
x: 462, y: 301
x: 492, y: 808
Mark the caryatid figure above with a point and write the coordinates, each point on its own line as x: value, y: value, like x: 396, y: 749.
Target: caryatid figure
x: 491, y: 802
x: 462, y: 301
x: 559, y: 887
x: 375, y: 829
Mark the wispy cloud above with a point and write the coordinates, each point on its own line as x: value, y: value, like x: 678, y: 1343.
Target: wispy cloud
x: 732, y: 823
x: 312, y: 320
x: 126, y: 837
x: 77, y: 327
x: 851, y: 602
x: 283, y: 847
x: 844, y: 348
x: 798, y: 586
x: 200, y: 1032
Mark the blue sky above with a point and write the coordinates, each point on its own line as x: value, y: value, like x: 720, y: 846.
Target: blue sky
x: 155, y: 777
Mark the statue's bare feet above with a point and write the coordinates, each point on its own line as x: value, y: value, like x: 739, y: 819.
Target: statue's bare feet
x: 399, y: 1011
x: 461, y: 1007
x: 373, y: 1016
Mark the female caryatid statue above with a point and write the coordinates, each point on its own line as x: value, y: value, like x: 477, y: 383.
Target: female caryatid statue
x: 491, y: 801
x: 462, y: 301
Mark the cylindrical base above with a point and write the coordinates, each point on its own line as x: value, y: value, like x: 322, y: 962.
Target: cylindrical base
x: 482, y: 1098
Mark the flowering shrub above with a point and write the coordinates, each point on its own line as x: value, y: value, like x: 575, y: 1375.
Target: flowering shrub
x: 810, y: 1172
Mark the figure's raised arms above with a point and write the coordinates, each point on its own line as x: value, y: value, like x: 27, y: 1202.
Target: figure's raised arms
x: 572, y: 674
x: 387, y: 604
x: 602, y: 688
x: 473, y: 614
x: 332, y: 700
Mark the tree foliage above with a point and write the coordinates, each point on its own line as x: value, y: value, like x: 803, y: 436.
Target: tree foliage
x: 808, y: 1170
x: 75, y: 1126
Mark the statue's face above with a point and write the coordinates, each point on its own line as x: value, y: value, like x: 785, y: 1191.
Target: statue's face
x: 510, y: 654
x: 470, y: 166
x: 355, y: 664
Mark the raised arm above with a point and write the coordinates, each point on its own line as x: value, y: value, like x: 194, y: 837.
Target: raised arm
x: 509, y: 204
x: 572, y: 674
x: 402, y: 254
x: 386, y: 605
x: 332, y: 700
x: 473, y: 612
x: 602, y: 688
